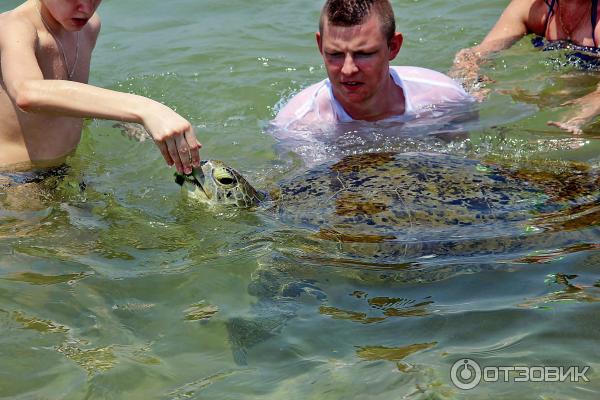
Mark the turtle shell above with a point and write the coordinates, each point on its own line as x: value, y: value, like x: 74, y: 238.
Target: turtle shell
x: 421, y: 197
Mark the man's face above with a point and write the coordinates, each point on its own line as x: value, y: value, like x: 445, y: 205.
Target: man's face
x: 357, y: 59
x: 71, y: 14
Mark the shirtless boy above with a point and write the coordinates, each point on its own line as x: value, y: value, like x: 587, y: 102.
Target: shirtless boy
x: 572, y: 21
x: 357, y: 40
x: 45, y: 52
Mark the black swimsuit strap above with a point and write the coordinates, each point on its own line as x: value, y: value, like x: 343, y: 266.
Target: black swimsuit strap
x: 594, y: 22
x: 550, y: 12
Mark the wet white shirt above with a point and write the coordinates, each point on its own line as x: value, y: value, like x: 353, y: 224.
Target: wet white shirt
x: 423, y: 90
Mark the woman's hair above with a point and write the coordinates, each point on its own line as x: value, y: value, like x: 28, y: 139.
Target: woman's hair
x: 355, y: 12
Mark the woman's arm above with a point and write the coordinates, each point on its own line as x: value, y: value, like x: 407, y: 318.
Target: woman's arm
x: 510, y: 27
x: 588, y: 108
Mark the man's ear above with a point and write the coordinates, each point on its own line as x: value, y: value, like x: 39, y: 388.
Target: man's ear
x: 395, y: 44
x: 319, y: 42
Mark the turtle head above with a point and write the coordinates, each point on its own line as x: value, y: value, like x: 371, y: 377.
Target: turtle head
x: 215, y: 183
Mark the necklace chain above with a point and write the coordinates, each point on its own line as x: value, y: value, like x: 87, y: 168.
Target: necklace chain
x: 71, y: 71
x: 562, y: 23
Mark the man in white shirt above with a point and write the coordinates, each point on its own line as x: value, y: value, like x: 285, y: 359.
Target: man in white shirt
x: 357, y: 40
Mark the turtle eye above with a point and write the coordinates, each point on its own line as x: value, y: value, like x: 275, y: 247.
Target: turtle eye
x: 226, y: 181
x: 224, y: 177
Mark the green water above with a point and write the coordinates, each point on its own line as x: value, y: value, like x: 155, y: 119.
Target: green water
x: 125, y: 290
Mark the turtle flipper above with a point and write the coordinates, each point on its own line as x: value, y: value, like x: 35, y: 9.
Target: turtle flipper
x: 133, y: 131
x: 245, y: 333
x: 269, y: 318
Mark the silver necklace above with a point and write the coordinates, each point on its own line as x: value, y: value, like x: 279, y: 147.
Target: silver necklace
x: 562, y: 23
x: 60, y: 46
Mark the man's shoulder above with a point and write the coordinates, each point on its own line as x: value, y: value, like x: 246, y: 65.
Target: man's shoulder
x: 425, y: 76
x: 310, y: 90
x: 424, y: 87
x: 304, y: 97
x: 311, y: 102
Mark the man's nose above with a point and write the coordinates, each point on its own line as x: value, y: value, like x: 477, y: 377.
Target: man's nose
x: 349, y: 66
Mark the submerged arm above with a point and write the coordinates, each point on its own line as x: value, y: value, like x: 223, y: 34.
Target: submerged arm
x: 588, y: 108
x: 511, y: 27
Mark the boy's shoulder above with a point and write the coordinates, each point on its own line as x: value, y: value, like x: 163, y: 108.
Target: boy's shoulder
x: 92, y: 29
x: 15, y: 23
x: 94, y: 23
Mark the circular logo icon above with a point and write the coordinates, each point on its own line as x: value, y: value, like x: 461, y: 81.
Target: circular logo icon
x: 465, y: 374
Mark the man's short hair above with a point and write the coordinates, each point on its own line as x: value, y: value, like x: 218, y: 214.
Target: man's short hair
x: 355, y: 12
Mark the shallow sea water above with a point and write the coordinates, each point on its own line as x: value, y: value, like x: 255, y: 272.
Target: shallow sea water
x: 126, y: 290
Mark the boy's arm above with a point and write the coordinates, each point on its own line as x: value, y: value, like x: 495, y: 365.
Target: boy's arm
x: 510, y: 27
x: 26, y: 86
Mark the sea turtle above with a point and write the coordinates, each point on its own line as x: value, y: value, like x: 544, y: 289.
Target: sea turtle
x: 386, y: 206
x: 392, y: 213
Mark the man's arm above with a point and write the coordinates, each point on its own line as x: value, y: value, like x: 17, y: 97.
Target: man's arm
x: 511, y: 26
x: 26, y: 86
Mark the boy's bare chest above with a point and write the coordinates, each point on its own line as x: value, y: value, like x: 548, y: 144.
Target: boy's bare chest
x: 64, y: 61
